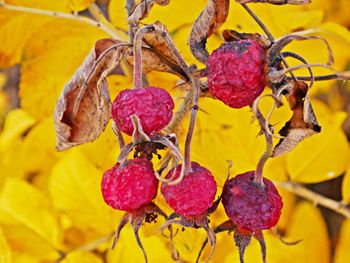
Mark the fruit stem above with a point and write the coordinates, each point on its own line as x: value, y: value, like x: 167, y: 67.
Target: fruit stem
x: 130, y: 4
x: 195, y: 95
x: 258, y: 178
x: 137, y: 50
x: 259, y: 22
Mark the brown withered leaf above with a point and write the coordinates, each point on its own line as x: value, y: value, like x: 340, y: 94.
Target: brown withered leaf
x: 142, y: 10
x: 83, y: 109
x: 160, y: 43
x: 303, y: 122
x: 151, y: 61
x: 207, y: 23
x: 276, y: 2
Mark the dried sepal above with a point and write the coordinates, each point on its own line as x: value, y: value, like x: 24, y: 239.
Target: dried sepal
x: 200, y: 222
x: 242, y: 240
x: 83, y: 109
x: 260, y: 237
x: 147, y: 213
x: 143, y: 9
x: 225, y: 226
x: 208, y: 22
x: 230, y: 35
x: 303, y: 122
x: 276, y: 2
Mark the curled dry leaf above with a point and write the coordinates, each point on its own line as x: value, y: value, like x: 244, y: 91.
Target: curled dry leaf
x: 276, y: 2
x: 161, y: 54
x: 142, y: 10
x: 153, y: 61
x: 303, y: 122
x: 83, y: 109
x: 209, y: 20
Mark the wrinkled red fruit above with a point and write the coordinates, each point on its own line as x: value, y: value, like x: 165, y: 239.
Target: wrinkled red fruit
x: 237, y: 72
x: 194, y: 194
x: 248, y: 205
x: 152, y: 105
x: 130, y: 187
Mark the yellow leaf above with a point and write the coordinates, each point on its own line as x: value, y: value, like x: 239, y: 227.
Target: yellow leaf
x: 280, y: 20
x: 5, y: 252
x: 75, y: 190
x: 23, y: 241
x: 15, y: 29
x: 117, y: 14
x: 223, y: 134
x: 322, y: 156
x: 11, y: 164
x: 3, y: 80
x: 52, y: 55
x: 31, y: 208
x: 335, y: 11
x: 342, y: 250
x: 104, y: 151
x: 346, y: 187
x: 78, y: 5
x: 17, y: 122
x: 40, y: 140
x: 23, y: 258
x: 81, y: 257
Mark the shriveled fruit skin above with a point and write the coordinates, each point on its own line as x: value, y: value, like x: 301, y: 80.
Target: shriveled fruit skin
x: 130, y: 187
x: 250, y: 206
x: 194, y: 194
x: 154, y: 107
x: 237, y: 72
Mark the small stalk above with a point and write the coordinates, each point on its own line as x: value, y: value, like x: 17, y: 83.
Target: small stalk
x: 137, y: 50
x: 130, y: 4
x: 258, y: 178
x: 195, y: 92
x: 118, y: 135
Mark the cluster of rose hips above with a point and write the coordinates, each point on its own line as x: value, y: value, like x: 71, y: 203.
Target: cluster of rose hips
x: 237, y: 75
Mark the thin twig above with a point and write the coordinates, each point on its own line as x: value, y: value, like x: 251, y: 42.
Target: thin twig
x: 86, y: 20
x: 137, y: 50
x: 258, y: 178
x: 316, y: 198
x: 130, y: 4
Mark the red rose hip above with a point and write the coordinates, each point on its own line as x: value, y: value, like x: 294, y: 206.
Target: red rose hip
x: 152, y: 105
x: 194, y: 194
x: 251, y: 207
x: 237, y: 72
x: 130, y: 187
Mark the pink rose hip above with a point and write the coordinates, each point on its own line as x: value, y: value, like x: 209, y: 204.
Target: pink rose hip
x: 194, y: 194
x: 154, y: 107
x: 237, y: 72
x: 250, y: 206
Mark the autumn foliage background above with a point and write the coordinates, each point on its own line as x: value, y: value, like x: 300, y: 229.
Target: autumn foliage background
x: 50, y: 202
